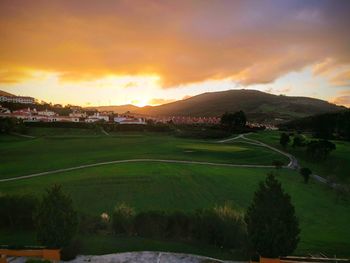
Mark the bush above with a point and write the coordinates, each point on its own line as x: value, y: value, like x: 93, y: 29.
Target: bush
x: 151, y: 224
x: 90, y: 224
x: 122, y: 219
x: 221, y: 226
x: 305, y: 173
x: 17, y: 211
x: 284, y: 139
x: 179, y: 226
x: 71, y: 251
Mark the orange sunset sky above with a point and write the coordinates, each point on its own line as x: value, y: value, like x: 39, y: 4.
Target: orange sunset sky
x: 149, y: 52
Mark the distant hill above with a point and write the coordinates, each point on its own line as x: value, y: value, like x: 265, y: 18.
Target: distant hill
x: 117, y: 109
x: 4, y: 93
x: 259, y: 106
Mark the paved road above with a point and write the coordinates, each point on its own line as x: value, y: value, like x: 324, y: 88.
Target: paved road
x: 134, y: 161
x: 293, y: 162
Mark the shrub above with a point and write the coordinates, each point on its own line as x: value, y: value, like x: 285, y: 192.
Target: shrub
x: 178, y: 226
x: 17, y: 211
x: 305, y: 172
x: 151, y: 224
x: 221, y: 226
x: 71, y: 251
x: 233, y: 226
x: 284, y: 139
x: 298, y: 141
x: 90, y: 224
x: 122, y: 219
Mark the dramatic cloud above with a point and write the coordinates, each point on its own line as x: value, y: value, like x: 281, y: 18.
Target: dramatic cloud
x: 179, y: 41
x: 341, y: 79
x: 343, y: 98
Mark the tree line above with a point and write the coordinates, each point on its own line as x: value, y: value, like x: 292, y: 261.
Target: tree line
x: 324, y: 126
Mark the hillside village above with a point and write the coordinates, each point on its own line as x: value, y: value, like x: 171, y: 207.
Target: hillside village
x: 30, y: 114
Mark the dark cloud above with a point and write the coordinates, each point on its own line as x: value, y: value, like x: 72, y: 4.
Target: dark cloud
x: 181, y: 41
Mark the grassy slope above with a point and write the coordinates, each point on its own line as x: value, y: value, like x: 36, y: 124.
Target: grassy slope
x: 338, y: 162
x: 20, y: 156
x: 40, y: 131
x: 165, y: 186
x: 189, y: 187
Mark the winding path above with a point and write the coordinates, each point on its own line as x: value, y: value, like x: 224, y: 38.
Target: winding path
x: 134, y: 161
x: 293, y: 163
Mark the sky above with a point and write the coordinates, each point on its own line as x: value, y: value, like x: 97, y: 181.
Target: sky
x: 150, y: 52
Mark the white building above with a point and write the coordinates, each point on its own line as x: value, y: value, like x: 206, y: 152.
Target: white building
x: 129, y: 120
x: 97, y: 117
x: 78, y: 114
x: 17, y: 99
x: 47, y: 113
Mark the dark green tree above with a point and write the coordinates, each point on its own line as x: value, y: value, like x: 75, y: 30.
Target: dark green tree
x: 305, y: 172
x: 298, y: 141
x: 56, y: 220
x: 284, y: 139
x: 319, y: 150
x: 273, y: 228
x: 234, y: 120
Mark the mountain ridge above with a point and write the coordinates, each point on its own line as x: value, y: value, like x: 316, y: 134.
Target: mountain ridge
x: 257, y: 105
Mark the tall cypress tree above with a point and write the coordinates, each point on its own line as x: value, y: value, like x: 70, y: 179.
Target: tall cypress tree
x: 56, y: 220
x: 273, y: 228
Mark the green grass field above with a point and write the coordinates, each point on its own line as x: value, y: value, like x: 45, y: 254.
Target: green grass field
x: 21, y: 156
x: 337, y: 164
x: 324, y: 219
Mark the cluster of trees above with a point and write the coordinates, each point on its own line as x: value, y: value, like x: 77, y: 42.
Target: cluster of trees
x: 323, y: 126
x: 234, y: 121
x: 316, y: 150
x: 53, y: 218
x: 267, y: 230
x: 200, y: 132
x: 8, y: 125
